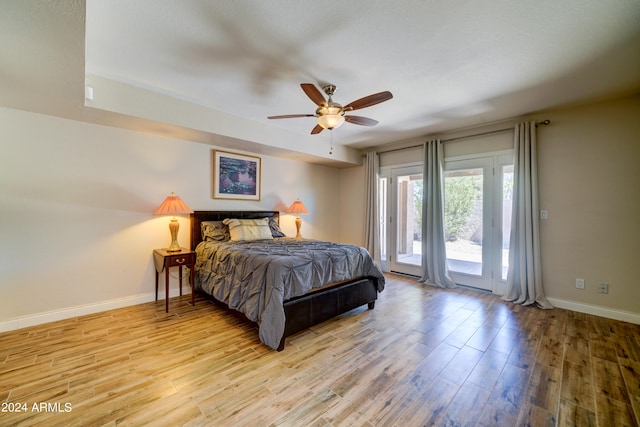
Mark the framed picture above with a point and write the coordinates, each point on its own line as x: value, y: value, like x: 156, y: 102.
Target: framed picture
x: 236, y: 176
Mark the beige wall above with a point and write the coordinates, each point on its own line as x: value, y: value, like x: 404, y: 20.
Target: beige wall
x: 351, y: 205
x: 589, y: 165
x: 76, y: 203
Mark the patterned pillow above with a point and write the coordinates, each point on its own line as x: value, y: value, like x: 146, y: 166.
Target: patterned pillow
x: 275, y: 227
x: 214, y: 231
x: 248, y: 229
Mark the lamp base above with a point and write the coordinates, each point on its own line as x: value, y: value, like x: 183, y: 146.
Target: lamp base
x: 174, y: 226
x: 298, y: 225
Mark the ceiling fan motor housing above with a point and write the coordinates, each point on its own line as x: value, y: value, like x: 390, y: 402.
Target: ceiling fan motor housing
x: 331, y: 108
x: 329, y: 89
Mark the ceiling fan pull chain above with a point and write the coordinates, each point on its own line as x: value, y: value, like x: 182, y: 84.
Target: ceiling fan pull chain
x: 331, y: 139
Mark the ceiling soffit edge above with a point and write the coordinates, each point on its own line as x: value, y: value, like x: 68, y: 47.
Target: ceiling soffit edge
x: 181, y: 118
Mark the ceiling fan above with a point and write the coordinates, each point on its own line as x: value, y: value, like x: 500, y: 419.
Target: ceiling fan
x: 330, y: 114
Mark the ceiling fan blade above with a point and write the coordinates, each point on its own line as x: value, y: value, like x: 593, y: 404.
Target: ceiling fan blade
x: 290, y: 116
x: 313, y: 93
x: 368, y: 101
x: 358, y: 120
x: 316, y: 130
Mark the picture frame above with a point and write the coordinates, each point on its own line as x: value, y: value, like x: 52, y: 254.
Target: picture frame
x: 236, y: 176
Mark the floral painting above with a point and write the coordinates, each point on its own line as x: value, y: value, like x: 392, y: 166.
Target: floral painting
x: 236, y: 176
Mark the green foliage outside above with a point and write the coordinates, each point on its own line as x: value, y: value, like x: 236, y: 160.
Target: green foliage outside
x: 460, y: 194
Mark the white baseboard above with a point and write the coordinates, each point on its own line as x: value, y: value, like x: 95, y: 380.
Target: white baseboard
x: 596, y: 310
x: 81, y: 310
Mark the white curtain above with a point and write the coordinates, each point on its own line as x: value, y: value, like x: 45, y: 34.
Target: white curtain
x: 434, y: 256
x: 524, y: 277
x: 371, y: 214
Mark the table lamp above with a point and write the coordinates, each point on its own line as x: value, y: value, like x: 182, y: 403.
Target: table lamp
x: 173, y: 206
x: 297, y: 208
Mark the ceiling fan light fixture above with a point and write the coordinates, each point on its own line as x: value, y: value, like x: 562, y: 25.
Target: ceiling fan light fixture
x: 331, y: 121
x: 330, y: 116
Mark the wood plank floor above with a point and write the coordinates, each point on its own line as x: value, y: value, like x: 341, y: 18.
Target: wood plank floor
x: 423, y: 356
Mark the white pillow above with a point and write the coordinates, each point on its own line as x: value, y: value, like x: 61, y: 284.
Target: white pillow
x: 248, y: 229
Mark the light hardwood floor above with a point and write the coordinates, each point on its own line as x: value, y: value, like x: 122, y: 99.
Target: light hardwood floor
x: 423, y: 356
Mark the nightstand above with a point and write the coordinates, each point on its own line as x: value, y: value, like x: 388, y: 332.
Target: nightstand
x: 164, y: 260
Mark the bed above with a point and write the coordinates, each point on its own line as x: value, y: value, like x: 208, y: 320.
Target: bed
x: 282, y: 284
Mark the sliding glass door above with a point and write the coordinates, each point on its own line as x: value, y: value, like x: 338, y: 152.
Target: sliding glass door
x: 477, y: 213
x: 477, y: 220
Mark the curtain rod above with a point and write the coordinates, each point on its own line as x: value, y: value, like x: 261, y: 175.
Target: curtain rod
x: 491, y: 132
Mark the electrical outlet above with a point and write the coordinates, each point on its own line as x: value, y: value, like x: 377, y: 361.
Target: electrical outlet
x: 544, y: 214
x: 579, y: 283
x: 603, y: 288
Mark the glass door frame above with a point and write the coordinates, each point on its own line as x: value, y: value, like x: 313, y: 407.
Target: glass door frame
x: 388, y: 212
x: 389, y: 175
x: 501, y: 160
x: 493, y: 166
x: 484, y: 280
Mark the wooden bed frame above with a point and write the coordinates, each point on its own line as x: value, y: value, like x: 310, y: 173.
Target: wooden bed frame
x: 307, y: 310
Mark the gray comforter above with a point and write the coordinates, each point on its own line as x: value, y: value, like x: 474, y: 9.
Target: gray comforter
x: 255, y: 277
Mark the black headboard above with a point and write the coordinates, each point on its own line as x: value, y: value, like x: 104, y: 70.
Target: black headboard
x: 198, y: 216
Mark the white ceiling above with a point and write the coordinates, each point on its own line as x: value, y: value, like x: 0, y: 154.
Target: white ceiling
x: 449, y: 65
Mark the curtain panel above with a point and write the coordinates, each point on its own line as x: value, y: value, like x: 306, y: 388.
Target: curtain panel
x: 524, y: 276
x: 434, y: 257
x: 371, y: 214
